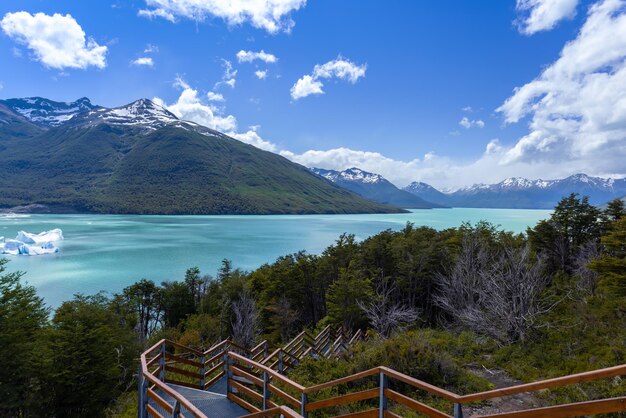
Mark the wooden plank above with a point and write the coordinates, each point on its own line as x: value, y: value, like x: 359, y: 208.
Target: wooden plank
x: 343, y: 399
x: 278, y: 411
x: 184, y: 347
x: 183, y: 372
x: 414, y: 405
x: 271, y: 372
x: 153, y: 360
x: 389, y: 414
x: 370, y: 413
x: 153, y: 412
x: 237, y: 371
x: 284, y: 396
x: 603, y: 406
x: 169, y: 391
x: 179, y: 359
x: 214, y: 379
x: 246, y: 390
x: 434, y: 390
x: 179, y: 383
x: 162, y: 402
x: 214, y: 368
x: 245, y: 405
x: 546, y: 384
x: 346, y: 379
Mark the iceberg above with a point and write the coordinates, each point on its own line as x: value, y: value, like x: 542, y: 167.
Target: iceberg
x: 32, y: 244
x: 42, y: 238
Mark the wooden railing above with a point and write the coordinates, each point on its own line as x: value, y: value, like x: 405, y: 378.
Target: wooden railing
x: 270, y: 389
x: 256, y: 382
x: 173, y: 363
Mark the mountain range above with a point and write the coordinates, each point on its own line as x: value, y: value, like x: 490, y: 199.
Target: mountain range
x: 140, y: 158
x: 375, y: 187
x: 521, y: 193
x: 515, y: 192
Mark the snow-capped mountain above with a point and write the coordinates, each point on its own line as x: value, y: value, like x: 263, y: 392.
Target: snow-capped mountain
x: 373, y: 186
x: 518, y: 192
x: 48, y: 113
x: 143, y: 114
x: 351, y: 174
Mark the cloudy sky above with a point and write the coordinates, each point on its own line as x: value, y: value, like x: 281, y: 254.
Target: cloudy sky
x: 446, y: 92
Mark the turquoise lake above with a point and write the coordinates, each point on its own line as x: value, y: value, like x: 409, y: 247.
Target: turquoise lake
x: 109, y: 252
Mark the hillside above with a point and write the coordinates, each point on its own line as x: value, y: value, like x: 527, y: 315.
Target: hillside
x: 141, y: 159
x: 374, y: 187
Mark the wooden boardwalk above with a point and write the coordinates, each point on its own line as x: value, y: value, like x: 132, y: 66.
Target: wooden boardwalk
x: 227, y: 381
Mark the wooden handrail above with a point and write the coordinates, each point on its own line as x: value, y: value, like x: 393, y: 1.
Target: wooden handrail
x: 568, y: 410
x: 269, y: 371
x: 546, y: 384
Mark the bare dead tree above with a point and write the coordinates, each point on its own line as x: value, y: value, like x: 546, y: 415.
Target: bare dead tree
x: 499, y: 295
x: 245, y: 325
x: 385, y: 315
x: 587, y: 278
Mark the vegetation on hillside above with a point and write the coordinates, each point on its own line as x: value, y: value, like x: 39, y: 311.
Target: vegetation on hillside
x: 438, y: 303
x: 112, y: 169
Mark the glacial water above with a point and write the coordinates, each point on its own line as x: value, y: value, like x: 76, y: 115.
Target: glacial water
x: 109, y: 252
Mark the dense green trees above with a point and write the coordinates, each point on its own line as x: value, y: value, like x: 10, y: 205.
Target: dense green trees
x: 542, y: 304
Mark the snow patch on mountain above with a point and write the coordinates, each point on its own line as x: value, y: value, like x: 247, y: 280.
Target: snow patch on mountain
x: 48, y: 113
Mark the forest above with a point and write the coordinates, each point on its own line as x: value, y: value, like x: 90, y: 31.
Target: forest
x: 437, y: 304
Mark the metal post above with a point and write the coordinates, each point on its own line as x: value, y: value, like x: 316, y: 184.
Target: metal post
x: 266, y: 390
x: 176, y: 411
x: 458, y: 410
x: 304, y: 401
x: 382, y: 397
x: 280, y: 362
x: 162, y: 363
x: 140, y: 412
x: 202, y: 373
x: 228, y: 372
x: 144, y: 398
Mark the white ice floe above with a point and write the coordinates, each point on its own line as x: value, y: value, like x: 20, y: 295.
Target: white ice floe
x: 31, y: 244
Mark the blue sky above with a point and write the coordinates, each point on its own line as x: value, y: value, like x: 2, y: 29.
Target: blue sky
x: 409, y: 71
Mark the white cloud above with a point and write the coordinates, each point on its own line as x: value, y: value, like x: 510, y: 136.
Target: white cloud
x: 229, y: 77
x: 339, y: 68
x: 467, y: 109
x: 577, y: 105
x: 261, y: 74
x: 252, y: 137
x: 143, y: 62
x: 271, y: 15
x: 305, y: 87
x: 541, y: 15
x: 466, y: 123
x: 215, y: 97
x: 56, y: 41
x: 150, y: 49
x: 249, y: 56
x: 190, y: 107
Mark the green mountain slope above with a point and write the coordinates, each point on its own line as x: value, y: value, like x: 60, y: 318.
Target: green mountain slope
x: 105, y: 168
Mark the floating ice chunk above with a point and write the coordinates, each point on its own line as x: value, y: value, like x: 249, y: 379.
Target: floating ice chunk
x: 42, y: 238
x: 14, y: 247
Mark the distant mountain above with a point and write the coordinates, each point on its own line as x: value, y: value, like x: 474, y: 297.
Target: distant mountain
x: 374, y: 187
x: 47, y: 113
x: 521, y: 193
x: 140, y: 158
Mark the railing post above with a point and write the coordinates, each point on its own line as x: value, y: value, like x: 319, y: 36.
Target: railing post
x: 303, y: 400
x: 140, y: 410
x: 458, y: 410
x: 227, y: 372
x: 382, y: 397
x: 202, y: 360
x: 144, y: 397
x: 176, y: 411
x: 280, y: 362
x: 162, y: 363
x: 266, y: 389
